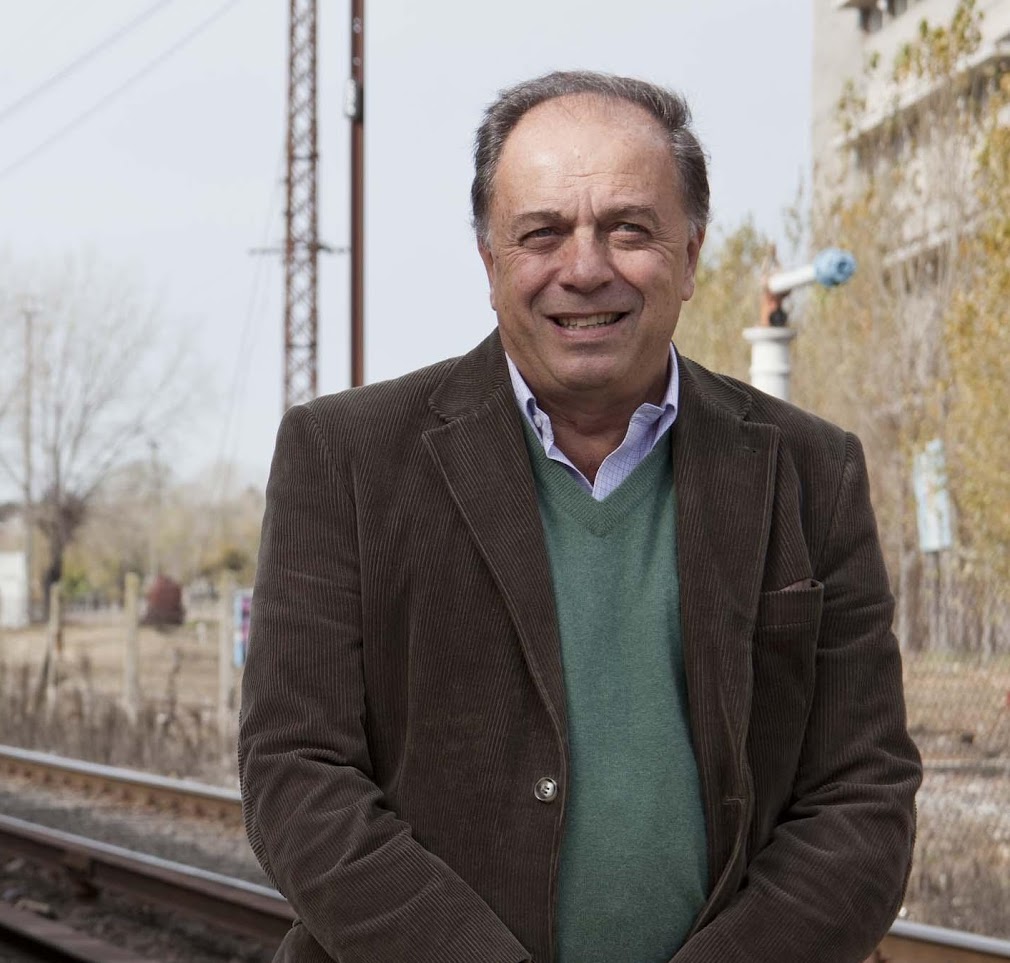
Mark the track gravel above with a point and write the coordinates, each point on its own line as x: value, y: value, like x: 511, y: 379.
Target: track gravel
x: 158, y: 935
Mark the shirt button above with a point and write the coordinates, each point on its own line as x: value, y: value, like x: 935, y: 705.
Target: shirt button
x: 538, y: 420
x: 546, y: 789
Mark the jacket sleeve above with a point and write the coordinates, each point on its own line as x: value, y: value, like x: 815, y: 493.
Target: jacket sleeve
x: 364, y: 888
x: 830, y: 881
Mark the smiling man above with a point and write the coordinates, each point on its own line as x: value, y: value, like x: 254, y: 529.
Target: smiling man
x: 569, y: 649
x: 589, y: 253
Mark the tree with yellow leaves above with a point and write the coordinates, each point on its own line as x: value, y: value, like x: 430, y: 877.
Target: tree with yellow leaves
x: 914, y: 350
x: 726, y: 299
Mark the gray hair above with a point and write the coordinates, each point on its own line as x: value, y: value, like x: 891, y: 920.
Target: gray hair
x: 667, y: 107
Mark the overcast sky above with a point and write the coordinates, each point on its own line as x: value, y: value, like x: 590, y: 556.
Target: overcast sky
x: 179, y: 175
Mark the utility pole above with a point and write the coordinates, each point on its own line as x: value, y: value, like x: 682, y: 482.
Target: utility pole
x: 301, y: 247
x: 354, y: 109
x: 28, y: 513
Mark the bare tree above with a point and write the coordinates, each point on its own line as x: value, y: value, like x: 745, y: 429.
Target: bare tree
x: 108, y: 376
x: 203, y: 526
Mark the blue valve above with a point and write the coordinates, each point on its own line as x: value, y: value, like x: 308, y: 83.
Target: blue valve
x: 833, y: 266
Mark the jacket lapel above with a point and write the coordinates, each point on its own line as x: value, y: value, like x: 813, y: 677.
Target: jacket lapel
x: 724, y: 470
x: 481, y: 454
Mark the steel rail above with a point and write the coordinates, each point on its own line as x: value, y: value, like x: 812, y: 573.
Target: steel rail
x: 44, y: 939
x: 183, y: 794
x: 234, y: 904
x: 976, y: 767
x: 910, y: 942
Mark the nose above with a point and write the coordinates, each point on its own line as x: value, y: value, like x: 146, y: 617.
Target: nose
x: 585, y: 262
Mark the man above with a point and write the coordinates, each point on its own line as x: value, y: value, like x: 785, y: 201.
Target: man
x: 568, y: 649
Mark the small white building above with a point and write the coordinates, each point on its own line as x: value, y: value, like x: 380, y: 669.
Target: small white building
x: 13, y: 590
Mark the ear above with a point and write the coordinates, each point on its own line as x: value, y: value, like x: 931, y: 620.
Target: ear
x: 693, y: 251
x: 488, y: 258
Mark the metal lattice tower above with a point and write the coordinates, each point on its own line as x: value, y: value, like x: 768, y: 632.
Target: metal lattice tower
x: 301, y: 247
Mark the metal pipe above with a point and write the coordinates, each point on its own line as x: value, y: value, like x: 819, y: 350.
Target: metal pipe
x: 986, y: 947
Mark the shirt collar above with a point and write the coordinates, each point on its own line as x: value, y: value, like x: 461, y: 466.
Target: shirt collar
x: 528, y: 403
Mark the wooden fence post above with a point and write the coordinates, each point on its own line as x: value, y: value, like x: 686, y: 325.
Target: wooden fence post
x: 131, y: 654
x: 225, y: 646
x: 54, y: 647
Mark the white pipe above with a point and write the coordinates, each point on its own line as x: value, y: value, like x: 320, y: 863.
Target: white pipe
x: 770, y: 366
x: 782, y: 282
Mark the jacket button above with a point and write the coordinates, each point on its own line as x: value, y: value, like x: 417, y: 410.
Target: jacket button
x: 546, y: 789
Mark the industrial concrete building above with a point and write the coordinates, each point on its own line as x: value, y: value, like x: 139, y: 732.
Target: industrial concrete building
x: 848, y: 32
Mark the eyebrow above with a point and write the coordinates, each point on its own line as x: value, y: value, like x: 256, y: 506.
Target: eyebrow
x: 547, y: 215
x: 621, y: 213
x: 633, y: 212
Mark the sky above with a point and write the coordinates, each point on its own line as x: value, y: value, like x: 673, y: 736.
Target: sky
x: 161, y: 158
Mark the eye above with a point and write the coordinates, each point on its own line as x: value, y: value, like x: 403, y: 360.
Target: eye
x: 538, y: 234
x: 628, y: 227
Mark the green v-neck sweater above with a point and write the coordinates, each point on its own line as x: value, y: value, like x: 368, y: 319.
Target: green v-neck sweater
x: 633, y: 872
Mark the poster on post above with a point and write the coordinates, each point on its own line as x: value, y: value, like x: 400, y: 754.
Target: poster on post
x: 240, y: 619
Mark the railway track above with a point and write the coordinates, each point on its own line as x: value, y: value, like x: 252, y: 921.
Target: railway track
x: 257, y: 911
x: 917, y: 943
x: 242, y: 908
x: 25, y: 936
x: 130, y: 785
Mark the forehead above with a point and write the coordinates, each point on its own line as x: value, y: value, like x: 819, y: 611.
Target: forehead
x: 585, y: 140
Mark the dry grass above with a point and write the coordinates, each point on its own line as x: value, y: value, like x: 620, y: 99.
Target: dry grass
x: 176, y: 727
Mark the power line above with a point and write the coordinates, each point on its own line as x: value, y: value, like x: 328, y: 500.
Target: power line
x: 80, y: 61
x: 240, y: 376
x: 113, y: 94
x: 246, y: 341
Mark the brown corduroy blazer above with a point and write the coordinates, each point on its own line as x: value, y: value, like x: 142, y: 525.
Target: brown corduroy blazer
x: 403, y: 693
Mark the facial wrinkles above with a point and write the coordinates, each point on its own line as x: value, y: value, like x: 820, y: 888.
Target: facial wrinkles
x: 559, y: 171
x: 589, y: 197
x: 581, y: 189
x: 582, y: 184
x: 585, y: 217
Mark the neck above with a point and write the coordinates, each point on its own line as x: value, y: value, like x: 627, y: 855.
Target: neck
x: 587, y: 444
x: 588, y: 432
x: 590, y: 424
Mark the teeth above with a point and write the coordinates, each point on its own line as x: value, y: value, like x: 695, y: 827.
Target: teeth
x: 590, y: 321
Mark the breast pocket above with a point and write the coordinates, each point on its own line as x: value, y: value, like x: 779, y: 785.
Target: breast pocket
x: 784, y: 660
x: 785, y: 643
x: 791, y: 606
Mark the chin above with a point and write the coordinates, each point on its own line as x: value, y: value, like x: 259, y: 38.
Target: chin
x: 589, y: 378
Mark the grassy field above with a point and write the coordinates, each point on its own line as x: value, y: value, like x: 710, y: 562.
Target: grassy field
x: 959, y: 714
x: 176, y: 731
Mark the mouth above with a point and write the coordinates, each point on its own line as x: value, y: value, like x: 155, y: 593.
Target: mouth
x: 584, y: 321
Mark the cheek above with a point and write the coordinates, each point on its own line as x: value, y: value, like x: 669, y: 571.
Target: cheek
x: 647, y: 271
x: 523, y: 282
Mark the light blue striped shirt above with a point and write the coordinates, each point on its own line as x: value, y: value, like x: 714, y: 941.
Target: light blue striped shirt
x: 647, y: 426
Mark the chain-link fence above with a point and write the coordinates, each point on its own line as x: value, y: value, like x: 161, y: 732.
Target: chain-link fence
x: 959, y: 715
